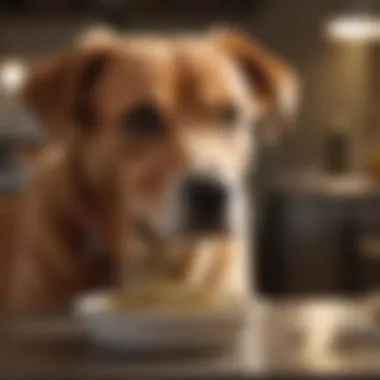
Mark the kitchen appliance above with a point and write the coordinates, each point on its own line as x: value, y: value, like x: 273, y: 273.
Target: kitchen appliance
x: 320, y: 236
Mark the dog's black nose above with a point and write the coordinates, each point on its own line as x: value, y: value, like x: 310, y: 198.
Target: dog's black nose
x: 205, y: 202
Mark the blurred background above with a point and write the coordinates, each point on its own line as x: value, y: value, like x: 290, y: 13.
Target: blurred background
x: 317, y: 190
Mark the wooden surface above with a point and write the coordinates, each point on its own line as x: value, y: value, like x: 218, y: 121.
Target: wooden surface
x: 281, y: 340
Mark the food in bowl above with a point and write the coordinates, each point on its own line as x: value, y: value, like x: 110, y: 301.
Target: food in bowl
x: 161, y: 317
x: 163, y: 296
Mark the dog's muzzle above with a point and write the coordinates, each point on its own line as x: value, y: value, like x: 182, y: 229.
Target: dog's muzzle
x: 205, y: 205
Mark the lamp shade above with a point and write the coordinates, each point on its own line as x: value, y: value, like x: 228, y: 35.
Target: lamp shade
x: 358, y: 21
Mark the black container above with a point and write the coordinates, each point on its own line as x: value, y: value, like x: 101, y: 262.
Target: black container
x: 6, y: 155
x: 337, y: 149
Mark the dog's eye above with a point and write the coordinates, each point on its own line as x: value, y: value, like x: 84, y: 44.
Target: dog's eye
x: 228, y: 115
x: 143, y: 122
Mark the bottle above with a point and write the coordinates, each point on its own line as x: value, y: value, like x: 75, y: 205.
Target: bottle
x: 337, y: 146
x: 373, y: 159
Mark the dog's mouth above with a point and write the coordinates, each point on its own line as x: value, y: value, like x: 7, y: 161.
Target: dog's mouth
x: 199, y: 230
x: 206, y: 228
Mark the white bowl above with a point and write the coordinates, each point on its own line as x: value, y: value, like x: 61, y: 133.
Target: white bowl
x: 147, y: 330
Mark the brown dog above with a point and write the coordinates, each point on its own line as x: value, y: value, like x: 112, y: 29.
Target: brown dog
x: 150, y: 139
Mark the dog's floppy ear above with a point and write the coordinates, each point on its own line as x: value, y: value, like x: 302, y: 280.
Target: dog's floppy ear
x: 57, y: 92
x: 274, y: 84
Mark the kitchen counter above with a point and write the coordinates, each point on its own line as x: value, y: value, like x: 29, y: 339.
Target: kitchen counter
x: 311, y: 183
x: 297, y: 339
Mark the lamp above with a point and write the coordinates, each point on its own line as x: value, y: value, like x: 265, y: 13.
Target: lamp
x: 12, y: 74
x: 359, y: 22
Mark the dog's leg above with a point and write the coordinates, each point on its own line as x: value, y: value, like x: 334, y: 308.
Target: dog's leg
x: 183, y: 267
x: 48, y: 268
x: 197, y: 265
x: 45, y: 280
x: 222, y: 253
x: 229, y: 272
x: 218, y: 265
x: 41, y: 280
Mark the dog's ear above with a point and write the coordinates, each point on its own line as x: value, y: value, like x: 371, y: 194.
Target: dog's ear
x: 58, y: 91
x: 274, y: 84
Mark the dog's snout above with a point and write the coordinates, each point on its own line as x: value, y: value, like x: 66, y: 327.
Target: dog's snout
x: 205, y: 203
x: 204, y: 194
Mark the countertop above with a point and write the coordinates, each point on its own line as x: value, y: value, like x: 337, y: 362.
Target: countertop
x: 297, y: 339
x: 313, y: 183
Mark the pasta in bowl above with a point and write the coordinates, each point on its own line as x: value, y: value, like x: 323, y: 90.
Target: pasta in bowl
x: 161, y: 315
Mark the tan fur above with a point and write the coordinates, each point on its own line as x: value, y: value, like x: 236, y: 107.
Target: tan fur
x: 188, y: 79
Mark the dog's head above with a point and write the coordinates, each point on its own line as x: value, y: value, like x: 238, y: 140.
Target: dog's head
x: 167, y: 120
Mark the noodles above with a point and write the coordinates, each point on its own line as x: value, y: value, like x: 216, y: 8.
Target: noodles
x: 161, y: 295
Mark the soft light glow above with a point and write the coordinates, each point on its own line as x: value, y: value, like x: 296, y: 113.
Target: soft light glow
x: 354, y: 28
x: 12, y: 74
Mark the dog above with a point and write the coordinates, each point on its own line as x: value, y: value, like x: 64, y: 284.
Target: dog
x: 149, y: 143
